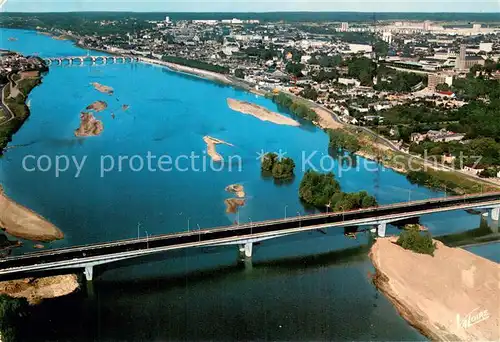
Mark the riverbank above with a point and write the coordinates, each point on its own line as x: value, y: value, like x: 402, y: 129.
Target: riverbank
x: 450, y: 296
x: 24, y: 223
x: 260, y: 113
x: 14, y: 109
x: 36, y: 290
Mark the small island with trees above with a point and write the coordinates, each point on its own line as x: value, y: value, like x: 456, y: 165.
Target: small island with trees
x: 323, y: 191
x: 280, y: 169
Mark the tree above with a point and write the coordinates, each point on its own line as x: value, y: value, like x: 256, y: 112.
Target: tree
x: 239, y: 73
x: 295, y: 68
x: 283, y: 169
x: 309, y: 93
x: 342, y: 140
x: 280, y: 169
x: 413, y: 240
x: 381, y: 48
x: 268, y: 161
x: 12, y: 313
x: 443, y: 87
x: 362, y: 68
x: 297, y: 107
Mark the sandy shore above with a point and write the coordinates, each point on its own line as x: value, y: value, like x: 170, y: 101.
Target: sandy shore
x: 236, y: 189
x: 453, y: 296
x: 24, y: 223
x: 97, y: 106
x: 261, y: 113
x: 102, y: 88
x: 36, y: 290
x: 89, y: 126
x: 326, y: 121
x: 211, y: 147
x: 232, y: 204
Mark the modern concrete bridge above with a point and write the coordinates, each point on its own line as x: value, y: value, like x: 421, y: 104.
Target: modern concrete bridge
x: 90, y: 58
x: 89, y: 256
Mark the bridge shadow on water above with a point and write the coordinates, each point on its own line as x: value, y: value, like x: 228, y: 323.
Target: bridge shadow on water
x: 79, y: 317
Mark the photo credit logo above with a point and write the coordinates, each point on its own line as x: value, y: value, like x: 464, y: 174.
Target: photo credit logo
x: 472, y: 318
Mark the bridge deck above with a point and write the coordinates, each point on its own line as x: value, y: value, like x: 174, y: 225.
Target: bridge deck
x: 245, y: 231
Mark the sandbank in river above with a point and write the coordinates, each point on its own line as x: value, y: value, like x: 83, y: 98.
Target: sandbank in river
x: 97, y: 106
x: 236, y: 189
x: 232, y: 204
x: 102, y: 88
x: 261, y: 113
x: 211, y: 147
x: 24, y: 223
x: 452, y: 296
x: 89, y: 126
x: 36, y: 290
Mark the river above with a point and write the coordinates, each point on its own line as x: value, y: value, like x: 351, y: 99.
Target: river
x: 303, y: 287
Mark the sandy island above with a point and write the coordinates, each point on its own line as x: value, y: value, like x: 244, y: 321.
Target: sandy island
x: 453, y: 296
x: 97, y: 106
x: 36, y: 290
x: 211, y: 147
x: 232, y: 204
x: 89, y: 126
x: 236, y: 189
x: 261, y: 113
x: 125, y: 107
x: 102, y: 88
x: 24, y: 223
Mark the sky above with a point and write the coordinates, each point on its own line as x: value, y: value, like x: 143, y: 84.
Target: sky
x: 252, y: 5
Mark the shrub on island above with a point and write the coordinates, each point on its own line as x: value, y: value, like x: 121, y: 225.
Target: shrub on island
x: 416, y: 241
x: 279, y: 169
x: 323, y: 190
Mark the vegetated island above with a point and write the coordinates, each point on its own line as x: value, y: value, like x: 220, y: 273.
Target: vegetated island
x: 37, y: 289
x: 211, y: 147
x: 125, y: 107
x: 323, y: 191
x: 232, y: 204
x: 89, y: 126
x: 24, y: 223
x: 261, y: 113
x: 97, y: 106
x: 236, y: 189
x: 450, y: 296
x: 102, y: 88
x: 280, y: 169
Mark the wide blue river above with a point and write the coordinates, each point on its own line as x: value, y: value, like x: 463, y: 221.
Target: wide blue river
x: 286, y: 295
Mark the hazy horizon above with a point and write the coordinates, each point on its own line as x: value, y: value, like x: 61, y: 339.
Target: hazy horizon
x: 248, y: 6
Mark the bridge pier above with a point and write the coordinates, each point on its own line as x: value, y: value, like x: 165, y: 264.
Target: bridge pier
x: 495, y: 216
x: 381, y: 228
x: 89, y: 272
x: 246, y: 250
